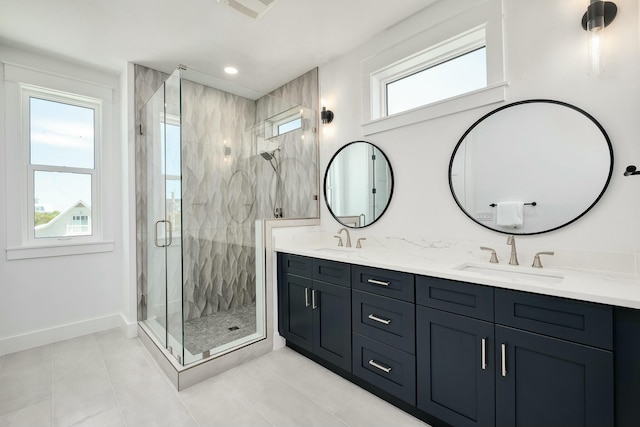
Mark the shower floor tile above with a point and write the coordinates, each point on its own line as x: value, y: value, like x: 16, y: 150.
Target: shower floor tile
x: 207, y: 332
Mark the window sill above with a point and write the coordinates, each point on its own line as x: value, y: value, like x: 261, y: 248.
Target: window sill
x: 29, y: 252
x: 479, y: 98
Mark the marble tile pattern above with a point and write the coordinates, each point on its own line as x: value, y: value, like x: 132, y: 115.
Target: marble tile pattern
x: 106, y: 379
x: 297, y: 151
x: 226, y: 185
x: 218, y: 248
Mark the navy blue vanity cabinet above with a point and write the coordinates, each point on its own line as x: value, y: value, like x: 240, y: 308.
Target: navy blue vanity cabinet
x: 554, y: 361
x: 314, y: 313
x: 384, y: 330
x: 545, y: 381
x: 295, y: 318
x: 464, y: 354
x: 455, y: 356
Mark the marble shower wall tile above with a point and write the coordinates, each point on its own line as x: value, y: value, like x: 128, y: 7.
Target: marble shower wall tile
x: 298, y: 152
x: 218, y: 178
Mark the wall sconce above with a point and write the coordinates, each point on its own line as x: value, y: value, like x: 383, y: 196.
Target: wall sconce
x: 326, y: 115
x: 631, y: 170
x: 599, y: 14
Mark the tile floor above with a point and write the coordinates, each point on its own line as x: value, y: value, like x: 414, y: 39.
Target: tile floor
x: 107, y: 380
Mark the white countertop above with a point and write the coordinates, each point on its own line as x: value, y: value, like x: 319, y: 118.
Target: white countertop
x: 447, y: 259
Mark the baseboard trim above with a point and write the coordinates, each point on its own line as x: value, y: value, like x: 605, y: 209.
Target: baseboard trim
x: 64, y: 332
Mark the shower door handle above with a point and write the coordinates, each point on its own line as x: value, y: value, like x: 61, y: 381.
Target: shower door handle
x: 170, y: 233
x: 155, y: 234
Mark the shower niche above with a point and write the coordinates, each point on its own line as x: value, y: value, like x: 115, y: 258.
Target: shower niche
x: 211, y: 167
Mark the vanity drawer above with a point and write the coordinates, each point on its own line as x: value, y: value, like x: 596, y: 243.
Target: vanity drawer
x: 334, y: 272
x: 387, y: 283
x: 384, y: 319
x: 455, y: 297
x: 385, y: 367
x: 578, y: 321
x: 295, y: 264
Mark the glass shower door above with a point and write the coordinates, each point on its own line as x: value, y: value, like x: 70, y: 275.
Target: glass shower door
x: 172, y: 179
x: 153, y: 240
x: 164, y: 197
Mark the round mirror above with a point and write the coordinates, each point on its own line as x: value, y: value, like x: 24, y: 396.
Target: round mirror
x: 531, y: 167
x: 358, y: 184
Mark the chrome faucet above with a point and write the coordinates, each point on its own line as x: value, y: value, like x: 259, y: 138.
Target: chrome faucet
x: 348, y: 236
x: 514, y: 254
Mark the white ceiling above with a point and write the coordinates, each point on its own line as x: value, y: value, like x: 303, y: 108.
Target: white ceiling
x: 293, y: 37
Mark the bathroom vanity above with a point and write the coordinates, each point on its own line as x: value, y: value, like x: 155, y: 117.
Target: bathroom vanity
x: 459, y: 349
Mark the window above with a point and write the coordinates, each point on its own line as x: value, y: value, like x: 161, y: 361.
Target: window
x: 461, y: 74
x: 284, y: 122
x: 450, y: 68
x: 56, y: 125
x: 289, y: 126
x: 61, y: 138
x: 453, y: 64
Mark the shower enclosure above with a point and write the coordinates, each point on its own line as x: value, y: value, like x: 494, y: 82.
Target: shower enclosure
x: 210, y: 167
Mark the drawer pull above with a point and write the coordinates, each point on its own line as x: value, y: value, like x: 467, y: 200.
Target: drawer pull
x: 375, y: 364
x: 313, y: 299
x: 306, y: 297
x: 379, y: 320
x: 484, y: 354
x: 378, y: 282
x: 504, y: 359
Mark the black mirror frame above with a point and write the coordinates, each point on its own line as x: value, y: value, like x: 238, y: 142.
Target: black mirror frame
x: 326, y: 173
x: 530, y: 101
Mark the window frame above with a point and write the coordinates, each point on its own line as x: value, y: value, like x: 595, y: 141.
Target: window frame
x: 453, y: 31
x: 430, y: 57
x: 64, y: 78
x: 27, y: 92
x: 291, y: 115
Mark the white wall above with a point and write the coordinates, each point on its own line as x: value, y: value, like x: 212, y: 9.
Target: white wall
x: 545, y: 57
x: 44, y: 300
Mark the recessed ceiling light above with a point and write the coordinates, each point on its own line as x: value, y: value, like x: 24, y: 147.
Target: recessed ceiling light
x: 231, y: 70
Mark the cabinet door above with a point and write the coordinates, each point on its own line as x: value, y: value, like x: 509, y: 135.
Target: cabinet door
x: 456, y: 375
x: 332, y: 323
x: 295, y: 314
x: 545, y: 381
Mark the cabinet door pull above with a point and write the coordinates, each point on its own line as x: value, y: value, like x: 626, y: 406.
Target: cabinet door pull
x: 306, y: 297
x: 484, y: 354
x: 379, y: 320
x: 378, y: 282
x: 504, y: 359
x: 375, y: 364
x: 313, y: 299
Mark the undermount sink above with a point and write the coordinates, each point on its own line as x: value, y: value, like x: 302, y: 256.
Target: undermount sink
x: 512, y: 272
x: 335, y: 250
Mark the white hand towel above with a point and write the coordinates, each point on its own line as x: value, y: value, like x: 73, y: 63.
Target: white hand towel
x: 510, y: 214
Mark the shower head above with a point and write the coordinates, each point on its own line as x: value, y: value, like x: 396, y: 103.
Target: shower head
x: 267, y: 156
